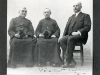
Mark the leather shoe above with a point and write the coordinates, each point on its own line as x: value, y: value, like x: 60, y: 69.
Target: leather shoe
x: 29, y: 65
x: 39, y: 65
x: 73, y: 63
x: 14, y: 66
x: 8, y: 65
x: 55, y: 65
x: 66, y: 65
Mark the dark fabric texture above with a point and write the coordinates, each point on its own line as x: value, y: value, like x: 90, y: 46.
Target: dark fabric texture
x: 47, y: 34
x: 19, y: 24
x: 21, y: 49
x: 47, y: 48
x: 67, y: 44
x: 81, y: 23
x: 48, y: 24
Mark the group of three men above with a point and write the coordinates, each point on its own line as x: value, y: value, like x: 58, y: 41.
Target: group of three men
x: 44, y: 46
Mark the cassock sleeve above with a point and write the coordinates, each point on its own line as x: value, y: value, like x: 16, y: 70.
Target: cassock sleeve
x: 38, y: 29
x: 57, y: 30
x: 87, y: 24
x: 67, y: 27
x: 30, y: 29
x: 11, y: 30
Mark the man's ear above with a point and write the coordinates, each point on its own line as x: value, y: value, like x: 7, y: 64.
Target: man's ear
x: 19, y: 11
x: 50, y: 13
x: 81, y: 7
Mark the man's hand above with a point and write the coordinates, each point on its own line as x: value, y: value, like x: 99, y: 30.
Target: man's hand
x: 53, y: 36
x: 41, y: 35
x: 26, y: 36
x: 34, y: 36
x: 17, y: 35
x: 75, y: 33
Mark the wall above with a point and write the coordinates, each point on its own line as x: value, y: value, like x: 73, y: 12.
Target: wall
x: 61, y: 11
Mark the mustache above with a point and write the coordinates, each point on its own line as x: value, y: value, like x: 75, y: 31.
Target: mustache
x: 75, y: 9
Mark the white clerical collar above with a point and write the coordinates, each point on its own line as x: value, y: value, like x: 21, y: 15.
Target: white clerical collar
x: 77, y: 13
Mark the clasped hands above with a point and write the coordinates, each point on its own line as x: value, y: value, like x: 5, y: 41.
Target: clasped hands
x: 18, y: 35
x: 76, y: 33
x: 41, y: 35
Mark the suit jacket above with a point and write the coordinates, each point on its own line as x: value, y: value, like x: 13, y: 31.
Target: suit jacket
x: 82, y: 24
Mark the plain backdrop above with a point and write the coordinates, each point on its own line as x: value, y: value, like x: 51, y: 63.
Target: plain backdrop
x: 61, y: 11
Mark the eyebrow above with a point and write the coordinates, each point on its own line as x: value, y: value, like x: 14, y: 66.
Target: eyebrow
x: 76, y: 5
x: 24, y: 10
x: 46, y: 11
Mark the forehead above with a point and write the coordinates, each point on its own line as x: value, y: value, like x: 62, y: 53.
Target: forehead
x: 23, y: 9
x: 46, y: 10
x: 78, y: 3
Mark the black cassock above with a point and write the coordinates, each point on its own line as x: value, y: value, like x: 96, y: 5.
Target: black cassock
x: 47, y: 47
x: 21, y: 49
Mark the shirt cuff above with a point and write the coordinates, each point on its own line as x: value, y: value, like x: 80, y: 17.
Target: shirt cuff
x: 79, y: 33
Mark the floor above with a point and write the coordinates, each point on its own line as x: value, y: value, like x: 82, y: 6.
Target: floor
x: 86, y: 69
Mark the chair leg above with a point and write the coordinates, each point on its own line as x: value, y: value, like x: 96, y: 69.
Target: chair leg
x: 82, y: 57
x: 62, y: 54
x: 63, y: 58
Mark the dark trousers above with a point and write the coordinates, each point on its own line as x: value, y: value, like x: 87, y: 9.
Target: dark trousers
x: 67, y: 43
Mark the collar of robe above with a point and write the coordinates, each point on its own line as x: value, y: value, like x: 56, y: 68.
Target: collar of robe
x: 21, y: 17
x: 48, y: 18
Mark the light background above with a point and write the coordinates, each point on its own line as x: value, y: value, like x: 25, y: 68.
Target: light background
x: 61, y: 11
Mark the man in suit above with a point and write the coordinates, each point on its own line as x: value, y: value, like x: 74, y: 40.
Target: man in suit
x: 76, y: 31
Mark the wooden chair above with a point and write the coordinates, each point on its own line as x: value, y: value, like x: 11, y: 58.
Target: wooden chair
x: 77, y: 51
x: 81, y: 52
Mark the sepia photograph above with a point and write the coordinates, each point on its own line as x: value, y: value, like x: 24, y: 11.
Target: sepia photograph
x: 49, y: 37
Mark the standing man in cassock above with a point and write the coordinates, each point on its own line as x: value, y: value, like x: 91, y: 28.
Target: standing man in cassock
x: 76, y: 31
x: 48, y: 49
x: 22, y: 42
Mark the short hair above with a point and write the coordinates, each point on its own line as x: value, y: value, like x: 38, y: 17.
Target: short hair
x: 23, y: 8
x: 80, y: 3
x: 48, y: 9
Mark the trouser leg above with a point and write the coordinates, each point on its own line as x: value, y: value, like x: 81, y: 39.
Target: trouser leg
x: 71, y: 41
x: 70, y: 48
x: 63, y: 45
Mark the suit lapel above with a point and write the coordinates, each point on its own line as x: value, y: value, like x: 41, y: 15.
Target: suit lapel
x: 78, y: 16
x: 72, y: 18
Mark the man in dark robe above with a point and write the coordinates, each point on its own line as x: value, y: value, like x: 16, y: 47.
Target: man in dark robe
x: 76, y: 31
x: 47, y: 47
x: 22, y: 42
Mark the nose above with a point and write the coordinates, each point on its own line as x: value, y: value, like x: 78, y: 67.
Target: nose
x: 24, y: 12
x: 46, y: 13
x: 74, y: 7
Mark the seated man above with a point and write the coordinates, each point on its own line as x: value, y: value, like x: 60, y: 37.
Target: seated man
x: 21, y: 40
x: 76, y: 31
x: 48, y: 49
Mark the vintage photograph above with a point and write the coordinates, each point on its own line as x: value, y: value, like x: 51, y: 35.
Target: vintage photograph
x: 49, y: 37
